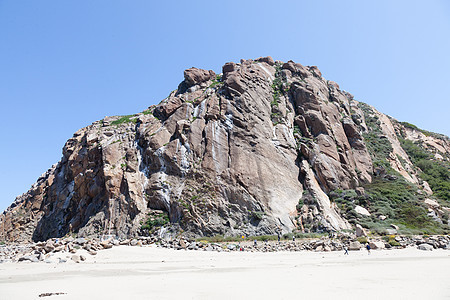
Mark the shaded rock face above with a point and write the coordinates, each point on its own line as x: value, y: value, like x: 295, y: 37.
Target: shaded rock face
x: 230, y: 154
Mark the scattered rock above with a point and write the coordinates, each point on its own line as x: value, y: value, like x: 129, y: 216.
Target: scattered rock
x: 362, y: 211
x: 76, y: 258
x: 391, y: 231
x: 125, y: 242
x: 80, y: 241
x: 360, y: 231
x: 377, y: 245
x: 395, y: 227
x: 355, y: 245
x: 425, y: 247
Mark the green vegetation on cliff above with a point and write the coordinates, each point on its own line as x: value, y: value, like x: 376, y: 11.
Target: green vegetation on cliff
x: 377, y: 144
x: 436, y: 173
x: 389, y: 197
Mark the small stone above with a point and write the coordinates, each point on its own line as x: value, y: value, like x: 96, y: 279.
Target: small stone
x: 92, y: 252
x: 82, y: 257
x: 76, y: 258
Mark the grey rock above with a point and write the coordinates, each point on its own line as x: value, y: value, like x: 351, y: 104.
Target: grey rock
x: 80, y: 241
x: 125, y: 242
x: 425, y: 247
x: 391, y: 231
x: 355, y: 245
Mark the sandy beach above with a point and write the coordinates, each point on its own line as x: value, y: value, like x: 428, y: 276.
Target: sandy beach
x: 153, y: 273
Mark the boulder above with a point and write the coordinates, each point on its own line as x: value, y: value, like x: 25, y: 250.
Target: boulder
x: 391, y: 231
x: 355, y: 245
x: 80, y: 241
x: 269, y: 60
x: 377, y: 245
x: 360, y: 231
x: 395, y: 227
x: 362, y: 211
x: 431, y: 203
x: 194, y: 76
x: 125, y: 242
x: 425, y: 247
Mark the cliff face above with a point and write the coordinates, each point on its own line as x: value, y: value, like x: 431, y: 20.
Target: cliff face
x: 255, y: 150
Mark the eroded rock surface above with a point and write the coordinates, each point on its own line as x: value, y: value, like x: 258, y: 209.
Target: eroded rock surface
x: 254, y: 150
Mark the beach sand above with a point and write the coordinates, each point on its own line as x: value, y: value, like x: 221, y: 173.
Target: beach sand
x: 153, y: 273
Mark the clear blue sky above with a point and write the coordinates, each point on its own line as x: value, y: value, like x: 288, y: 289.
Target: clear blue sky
x: 65, y: 64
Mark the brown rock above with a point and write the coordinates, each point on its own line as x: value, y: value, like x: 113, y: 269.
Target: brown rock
x: 194, y: 76
x: 230, y: 157
x: 269, y: 60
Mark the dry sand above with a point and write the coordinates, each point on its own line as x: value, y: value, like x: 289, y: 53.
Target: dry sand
x: 152, y: 273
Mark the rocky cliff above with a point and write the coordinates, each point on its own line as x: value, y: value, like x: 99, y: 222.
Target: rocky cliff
x: 264, y: 147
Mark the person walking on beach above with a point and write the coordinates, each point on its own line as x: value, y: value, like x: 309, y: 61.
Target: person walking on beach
x: 345, y: 250
x: 368, y: 248
x: 279, y: 237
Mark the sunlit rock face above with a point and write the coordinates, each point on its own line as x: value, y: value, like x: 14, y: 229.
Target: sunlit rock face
x: 227, y: 154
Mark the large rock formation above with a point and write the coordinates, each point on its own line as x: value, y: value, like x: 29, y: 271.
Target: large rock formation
x: 255, y: 150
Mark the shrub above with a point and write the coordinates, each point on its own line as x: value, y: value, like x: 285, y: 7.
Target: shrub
x: 377, y: 144
x: 362, y: 239
x: 124, y: 119
x: 436, y: 173
x: 157, y: 220
x: 258, y: 215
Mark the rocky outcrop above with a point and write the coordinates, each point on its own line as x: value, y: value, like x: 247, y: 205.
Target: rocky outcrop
x: 254, y: 150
